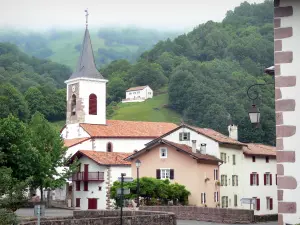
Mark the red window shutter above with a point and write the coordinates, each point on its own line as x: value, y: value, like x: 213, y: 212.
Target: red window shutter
x: 171, y: 174
x: 265, y: 179
x: 276, y: 179
x: 77, y: 202
x: 86, y: 186
x: 257, y: 177
x: 271, y: 203
x: 267, y: 159
x: 251, y: 179
x: 270, y: 179
x: 257, y: 204
x: 77, y: 185
x: 158, y: 174
x: 253, y: 158
x: 204, y: 197
x: 93, y: 104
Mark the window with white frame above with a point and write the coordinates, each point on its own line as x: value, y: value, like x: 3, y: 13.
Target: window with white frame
x: 223, y: 157
x: 235, y: 181
x: 268, y: 179
x: 216, y: 196
x: 224, y: 201
x: 163, y: 153
x: 254, y: 179
x: 216, y: 176
x: 224, y: 180
x: 164, y: 173
x: 184, y: 136
x: 203, y: 197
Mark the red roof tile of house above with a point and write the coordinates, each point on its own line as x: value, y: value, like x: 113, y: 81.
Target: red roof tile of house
x: 126, y: 129
x: 71, y: 142
x: 221, y: 138
x: 184, y: 148
x: 136, y: 88
x: 259, y: 149
x: 105, y: 158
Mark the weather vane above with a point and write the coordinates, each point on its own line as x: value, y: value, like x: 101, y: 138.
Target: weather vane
x: 86, y: 17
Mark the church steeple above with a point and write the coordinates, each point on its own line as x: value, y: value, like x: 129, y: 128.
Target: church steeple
x: 86, y: 66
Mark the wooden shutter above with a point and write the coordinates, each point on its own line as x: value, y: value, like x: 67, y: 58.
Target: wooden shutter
x: 226, y: 201
x: 201, y: 198
x: 204, y: 197
x: 93, y: 104
x: 257, y: 204
x: 276, y: 179
x: 86, y: 186
x: 251, y: 179
x: 188, y: 136
x: 77, y: 202
x: 171, y: 174
x: 257, y: 177
x: 225, y: 158
x: 217, y: 196
x: 225, y: 180
x: 271, y: 203
x: 232, y: 180
x: 158, y: 174
x: 237, y: 181
x: 253, y: 158
x: 180, y: 136
x: 235, y: 200
x: 265, y: 179
x: 270, y: 179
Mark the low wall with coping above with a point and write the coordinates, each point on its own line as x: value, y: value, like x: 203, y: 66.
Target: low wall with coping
x: 217, y: 215
x: 108, y: 217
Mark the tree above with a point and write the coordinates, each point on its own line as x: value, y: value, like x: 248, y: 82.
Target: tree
x: 151, y: 190
x: 50, y: 153
x: 35, y: 100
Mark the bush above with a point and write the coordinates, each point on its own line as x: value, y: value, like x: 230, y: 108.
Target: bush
x: 8, y: 217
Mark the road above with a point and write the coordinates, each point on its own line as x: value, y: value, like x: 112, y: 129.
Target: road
x: 192, y: 222
x: 65, y: 212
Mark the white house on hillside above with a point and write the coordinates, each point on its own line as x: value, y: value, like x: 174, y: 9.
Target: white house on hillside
x: 138, y: 94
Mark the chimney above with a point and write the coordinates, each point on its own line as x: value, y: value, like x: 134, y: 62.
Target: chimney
x: 233, y: 131
x: 194, y: 146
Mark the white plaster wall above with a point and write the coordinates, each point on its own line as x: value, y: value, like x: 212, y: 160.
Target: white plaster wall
x: 73, y: 131
x: 289, y: 118
x: 121, y: 144
x: 212, y: 147
x: 117, y: 170
x: 261, y: 167
x: 86, y: 145
x: 229, y: 169
x: 149, y: 92
x: 93, y: 189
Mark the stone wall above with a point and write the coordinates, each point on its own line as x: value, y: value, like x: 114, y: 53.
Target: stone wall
x: 109, y: 217
x: 217, y: 215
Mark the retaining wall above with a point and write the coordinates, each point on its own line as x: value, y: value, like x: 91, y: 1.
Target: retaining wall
x: 217, y: 215
x: 108, y: 217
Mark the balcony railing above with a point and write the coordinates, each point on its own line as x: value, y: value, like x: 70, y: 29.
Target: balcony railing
x: 90, y: 176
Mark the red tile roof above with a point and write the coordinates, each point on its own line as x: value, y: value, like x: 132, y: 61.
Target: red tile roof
x: 136, y: 88
x: 221, y: 138
x: 128, y: 129
x: 259, y: 150
x: 184, y: 148
x: 71, y: 142
x: 105, y: 158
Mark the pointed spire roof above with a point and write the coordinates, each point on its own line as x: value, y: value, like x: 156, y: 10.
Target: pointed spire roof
x: 86, y: 66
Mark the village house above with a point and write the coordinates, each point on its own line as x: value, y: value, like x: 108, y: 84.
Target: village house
x: 182, y: 164
x: 138, y: 94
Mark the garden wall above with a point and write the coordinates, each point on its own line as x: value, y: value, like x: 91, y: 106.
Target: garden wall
x: 217, y: 215
x: 108, y: 217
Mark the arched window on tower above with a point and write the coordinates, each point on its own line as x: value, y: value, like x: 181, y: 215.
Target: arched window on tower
x: 73, y: 105
x: 93, y: 104
x: 109, y: 147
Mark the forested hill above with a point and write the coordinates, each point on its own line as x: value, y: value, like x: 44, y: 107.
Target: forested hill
x: 209, y: 70
x: 28, y: 84
x: 63, y: 46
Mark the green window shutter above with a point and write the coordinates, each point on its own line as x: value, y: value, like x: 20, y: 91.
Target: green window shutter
x: 225, y: 180
x: 180, y: 136
x: 188, y: 136
x: 232, y: 180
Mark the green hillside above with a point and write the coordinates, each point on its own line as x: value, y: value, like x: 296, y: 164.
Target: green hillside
x: 154, y: 110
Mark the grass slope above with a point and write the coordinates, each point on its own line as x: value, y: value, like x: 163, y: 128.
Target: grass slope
x: 150, y: 110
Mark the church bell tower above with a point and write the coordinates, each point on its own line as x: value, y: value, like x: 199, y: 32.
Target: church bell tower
x: 86, y: 88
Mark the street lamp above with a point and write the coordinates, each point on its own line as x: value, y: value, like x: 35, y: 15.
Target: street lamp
x: 254, y: 114
x: 137, y: 164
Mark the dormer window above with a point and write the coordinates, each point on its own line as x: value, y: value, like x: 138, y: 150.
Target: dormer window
x: 73, y: 105
x: 163, y: 153
x: 184, y: 136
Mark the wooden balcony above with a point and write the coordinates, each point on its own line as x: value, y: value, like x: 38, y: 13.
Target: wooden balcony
x: 90, y: 176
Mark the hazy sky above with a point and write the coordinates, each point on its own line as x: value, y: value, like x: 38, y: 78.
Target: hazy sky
x: 172, y: 14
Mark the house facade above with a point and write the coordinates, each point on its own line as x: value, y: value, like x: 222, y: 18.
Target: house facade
x: 138, y: 94
x: 182, y: 164
x: 286, y: 57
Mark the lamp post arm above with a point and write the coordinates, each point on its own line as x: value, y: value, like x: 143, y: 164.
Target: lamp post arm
x: 255, y: 96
